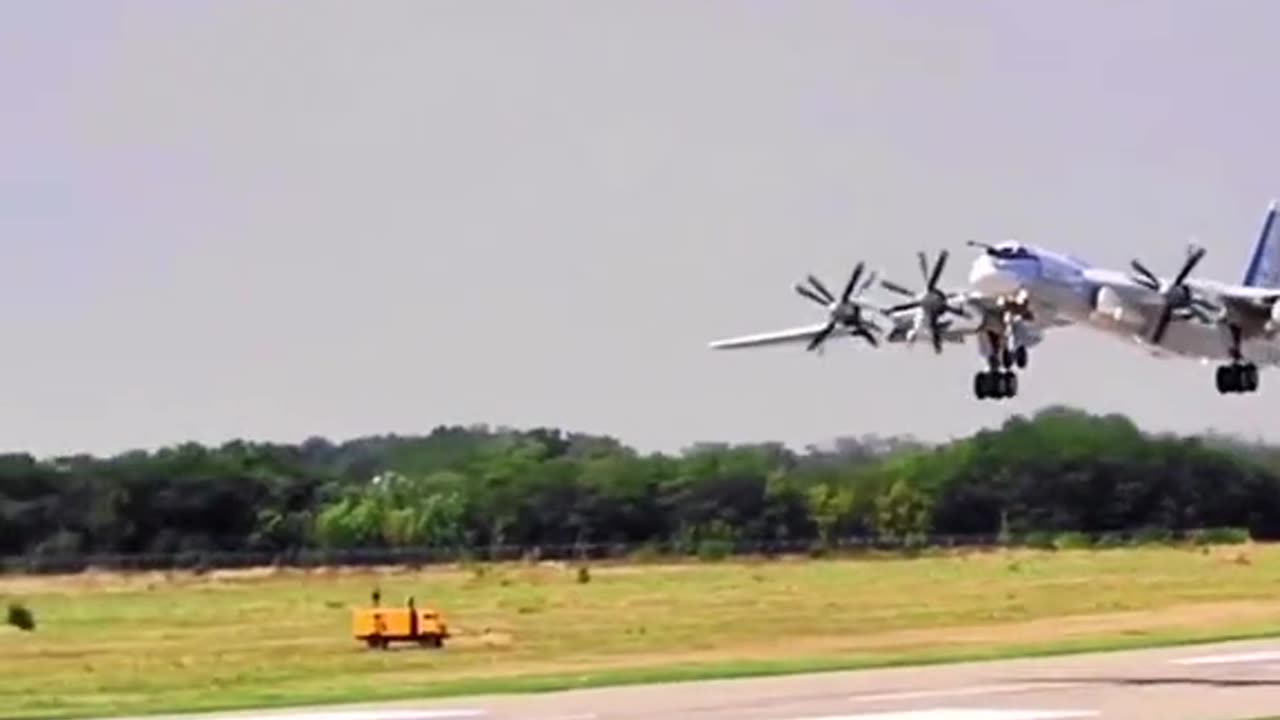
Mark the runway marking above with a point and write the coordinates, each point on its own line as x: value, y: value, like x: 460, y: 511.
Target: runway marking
x: 1233, y: 659
x: 388, y: 714
x: 964, y: 714
x: 960, y: 691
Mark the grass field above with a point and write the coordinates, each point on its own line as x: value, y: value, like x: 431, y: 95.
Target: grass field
x: 112, y: 644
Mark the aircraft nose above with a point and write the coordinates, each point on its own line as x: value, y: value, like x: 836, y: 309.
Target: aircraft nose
x: 989, y: 277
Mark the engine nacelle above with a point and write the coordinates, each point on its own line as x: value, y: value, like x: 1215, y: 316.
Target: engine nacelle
x: 1112, y: 308
x: 1272, y: 326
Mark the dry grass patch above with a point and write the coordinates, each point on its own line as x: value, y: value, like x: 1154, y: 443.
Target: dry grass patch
x: 128, y: 643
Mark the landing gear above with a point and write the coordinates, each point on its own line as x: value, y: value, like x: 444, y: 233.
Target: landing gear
x: 995, y: 385
x: 1017, y: 357
x: 1237, y: 378
x: 998, y: 381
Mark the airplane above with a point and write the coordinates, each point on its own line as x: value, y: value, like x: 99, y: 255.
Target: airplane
x: 1019, y: 292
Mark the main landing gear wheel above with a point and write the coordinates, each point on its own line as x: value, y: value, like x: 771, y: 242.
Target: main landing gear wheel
x: 995, y: 385
x: 1237, y: 378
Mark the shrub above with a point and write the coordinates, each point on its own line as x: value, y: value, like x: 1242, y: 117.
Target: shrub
x: 1152, y: 536
x: 1072, y: 541
x: 714, y: 549
x: 21, y: 617
x: 1040, y: 540
x: 646, y: 553
x: 1109, y: 540
x: 1220, y: 536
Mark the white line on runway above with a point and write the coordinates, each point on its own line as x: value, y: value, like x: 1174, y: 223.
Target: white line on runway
x: 1237, y: 658
x: 965, y: 714
x: 968, y: 691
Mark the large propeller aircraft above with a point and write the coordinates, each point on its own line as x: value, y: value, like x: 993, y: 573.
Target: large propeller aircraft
x: 1017, y: 292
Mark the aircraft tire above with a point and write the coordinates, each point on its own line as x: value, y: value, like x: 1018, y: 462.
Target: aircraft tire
x: 1250, y: 373
x: 1237, y: 379
x: 1020, y: 357
x: 995, y: 385
x: 1221, y: 379
x: 1009, y: 385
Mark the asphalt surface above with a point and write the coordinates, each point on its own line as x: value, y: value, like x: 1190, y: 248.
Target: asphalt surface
x: 1227, y: 681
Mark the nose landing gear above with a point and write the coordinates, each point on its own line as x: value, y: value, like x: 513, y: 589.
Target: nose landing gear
x: 999, y: 381
x: 995, y: 385
x: 1017, y: 357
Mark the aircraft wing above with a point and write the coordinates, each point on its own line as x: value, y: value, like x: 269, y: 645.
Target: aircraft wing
x: 801, y: 334
x: 1262, y: 298
x: 899, y: 333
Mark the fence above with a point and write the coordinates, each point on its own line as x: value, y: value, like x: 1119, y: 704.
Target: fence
x: 204, y: 560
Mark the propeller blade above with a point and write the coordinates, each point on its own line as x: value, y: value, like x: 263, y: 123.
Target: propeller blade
x: 924, y: 266
x: 892, y: 286
x: 1152, y: 281
x: 938, y: 267
x: 903, y: 306
x: 821, y: 336
x: 853, y: 283
x: 822, y: 290
x: 811, y: 295
x: 936, y: 336
x: 1162, y: 326
x: 1192, y: 260
x: 871, y: 280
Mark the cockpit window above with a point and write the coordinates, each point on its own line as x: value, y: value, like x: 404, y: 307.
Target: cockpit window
x: 1012, y: 251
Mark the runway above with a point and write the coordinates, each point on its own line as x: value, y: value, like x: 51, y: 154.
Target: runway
x: 1226, y: 681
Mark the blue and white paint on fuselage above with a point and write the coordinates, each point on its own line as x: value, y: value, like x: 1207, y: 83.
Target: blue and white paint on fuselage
x: 1066, y: 290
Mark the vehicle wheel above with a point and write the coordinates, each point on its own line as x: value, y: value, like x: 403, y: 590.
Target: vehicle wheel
x: 1223, y: 379
x: 980, y: 385
x: 1020, y: 357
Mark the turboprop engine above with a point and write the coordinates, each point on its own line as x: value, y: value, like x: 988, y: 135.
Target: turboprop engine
x: 1113, y: 308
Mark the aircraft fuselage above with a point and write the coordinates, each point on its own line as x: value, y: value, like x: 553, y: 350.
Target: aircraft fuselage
x: 1071, y: 291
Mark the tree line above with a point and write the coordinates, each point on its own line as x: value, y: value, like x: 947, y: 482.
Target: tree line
x: 1060, y: 470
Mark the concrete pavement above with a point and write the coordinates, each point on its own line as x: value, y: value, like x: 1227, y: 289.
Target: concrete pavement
x: 1226, y: 681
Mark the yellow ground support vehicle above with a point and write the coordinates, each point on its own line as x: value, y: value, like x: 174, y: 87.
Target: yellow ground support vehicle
x: 378, y: 627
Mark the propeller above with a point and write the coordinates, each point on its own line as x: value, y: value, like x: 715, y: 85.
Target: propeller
x: 932, y: 303
x: 1178, y: 300
x: 843, y: 313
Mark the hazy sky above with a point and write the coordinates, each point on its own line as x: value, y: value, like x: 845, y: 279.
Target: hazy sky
x: 278, y: 219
